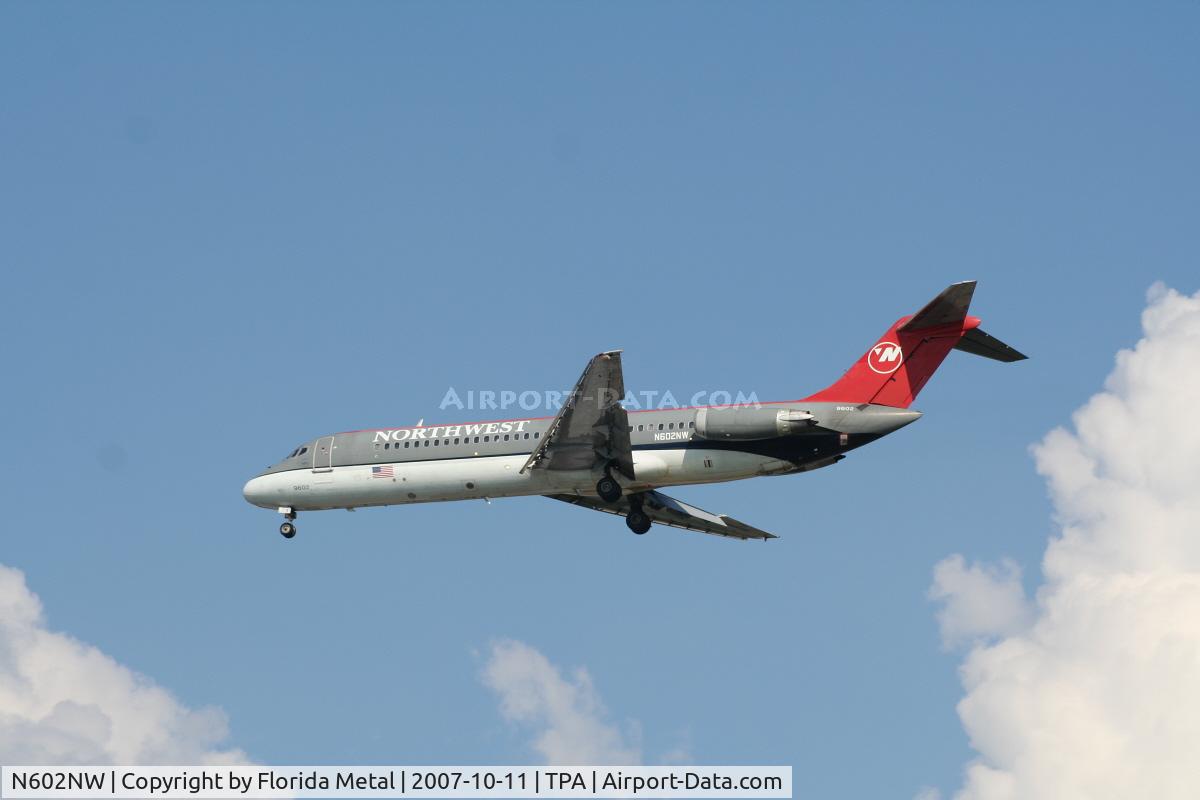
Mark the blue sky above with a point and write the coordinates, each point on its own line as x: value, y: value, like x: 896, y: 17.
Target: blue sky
x: 230, y: 228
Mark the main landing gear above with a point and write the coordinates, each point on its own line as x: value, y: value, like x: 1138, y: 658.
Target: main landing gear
x: 638, y: 522
x: 610, y: 492
x: 637, y: 519
x: 288, y: 529
x: 608, y: 489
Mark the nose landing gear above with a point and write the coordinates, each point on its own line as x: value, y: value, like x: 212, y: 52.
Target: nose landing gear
x: 287, y: 529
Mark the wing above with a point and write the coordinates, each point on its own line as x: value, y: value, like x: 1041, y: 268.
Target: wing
x: 669, y: 511
x: 592, y: 428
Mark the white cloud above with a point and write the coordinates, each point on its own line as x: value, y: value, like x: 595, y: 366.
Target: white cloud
x: 565, y: 711
x: 978, y: 601
x: 679, y: 754
x: 1098, y: 694
x: 65, y: 702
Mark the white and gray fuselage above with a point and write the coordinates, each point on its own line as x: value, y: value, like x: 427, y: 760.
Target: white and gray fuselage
x: 395, y: 466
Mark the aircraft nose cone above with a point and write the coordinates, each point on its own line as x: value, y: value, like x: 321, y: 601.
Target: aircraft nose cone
x: 255, y: 492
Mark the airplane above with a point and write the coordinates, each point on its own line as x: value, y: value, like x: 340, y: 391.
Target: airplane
x: 596, y: 454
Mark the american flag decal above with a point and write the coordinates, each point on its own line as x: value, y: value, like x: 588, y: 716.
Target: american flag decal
x: 387, y: 471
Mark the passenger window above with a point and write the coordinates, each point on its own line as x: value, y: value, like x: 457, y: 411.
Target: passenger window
x: 406, y: 445
x: 427, y: 443
x: 506, y: 437
x: 660, y: 426
x: 476, y: 440
x: 527, y: 436
x: 671, y: 426
x: 435, y: 442
x: 456, y: 440
x: 641, y: 427
x: 387, y: 446
x: 486, y: 439
x: 692, y: 424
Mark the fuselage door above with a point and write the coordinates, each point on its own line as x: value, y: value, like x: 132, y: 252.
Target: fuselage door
x: 323, y: 455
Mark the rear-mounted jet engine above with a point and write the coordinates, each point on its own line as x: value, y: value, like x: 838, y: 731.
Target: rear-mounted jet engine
x: 748, y: 424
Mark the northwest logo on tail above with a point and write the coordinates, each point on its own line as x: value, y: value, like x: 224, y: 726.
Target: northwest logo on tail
x: 885, y: 357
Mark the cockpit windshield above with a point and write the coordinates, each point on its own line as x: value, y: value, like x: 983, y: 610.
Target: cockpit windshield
x: 299, y: 451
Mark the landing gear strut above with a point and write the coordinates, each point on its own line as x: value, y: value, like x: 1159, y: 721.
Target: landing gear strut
x: 288, y: 529
x: 608, y: 489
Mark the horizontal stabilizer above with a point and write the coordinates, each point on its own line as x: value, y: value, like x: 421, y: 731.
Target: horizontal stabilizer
x: 978, y: 343
x: 948, y: 308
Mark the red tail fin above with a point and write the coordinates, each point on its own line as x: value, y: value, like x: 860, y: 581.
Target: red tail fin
x: 899, y: 365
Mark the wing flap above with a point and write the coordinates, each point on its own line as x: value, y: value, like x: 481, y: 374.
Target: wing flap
x: 666, y: 510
